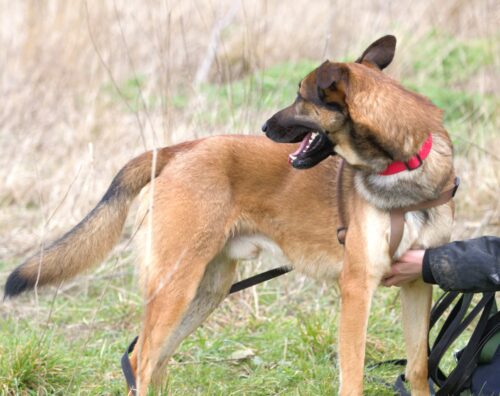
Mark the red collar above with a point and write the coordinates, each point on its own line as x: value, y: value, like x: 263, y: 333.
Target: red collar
x: 413, y: 163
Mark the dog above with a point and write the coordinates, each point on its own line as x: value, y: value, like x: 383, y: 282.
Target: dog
x: 212, y: 202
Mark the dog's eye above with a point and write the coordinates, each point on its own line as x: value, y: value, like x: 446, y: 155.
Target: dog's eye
x: 321, y: 94
x: 334, y: 106
x: 331, y: 104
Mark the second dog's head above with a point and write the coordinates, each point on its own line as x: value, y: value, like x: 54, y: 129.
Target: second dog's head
x: 356, y: 111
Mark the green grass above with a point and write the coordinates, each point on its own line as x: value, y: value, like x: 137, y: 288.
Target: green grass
x: 28, y: 364
x: 293, y: 340
x: 445, y: 69
x: 73, y: 344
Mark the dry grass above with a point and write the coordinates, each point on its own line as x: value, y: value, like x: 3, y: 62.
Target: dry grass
x: 86, y: 85
x: 63, y: 134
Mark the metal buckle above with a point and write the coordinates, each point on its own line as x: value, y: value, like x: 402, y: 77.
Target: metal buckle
x: 420, y: 162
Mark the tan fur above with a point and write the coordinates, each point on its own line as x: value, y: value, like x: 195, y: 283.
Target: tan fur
x: 226, y: 197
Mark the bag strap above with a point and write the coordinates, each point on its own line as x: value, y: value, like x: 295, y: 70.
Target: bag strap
x: 448, y: 332
x: 467, y: 362
x: 438, y: 309
x: 454, y: 325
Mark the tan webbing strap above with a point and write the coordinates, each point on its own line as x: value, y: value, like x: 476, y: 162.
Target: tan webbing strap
x: 445, y: 196
x: 397, y: 229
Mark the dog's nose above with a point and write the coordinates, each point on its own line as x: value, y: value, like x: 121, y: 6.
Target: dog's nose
x: 264, y: 127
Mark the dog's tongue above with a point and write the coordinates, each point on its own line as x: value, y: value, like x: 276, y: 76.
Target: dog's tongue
x: 302, y: 146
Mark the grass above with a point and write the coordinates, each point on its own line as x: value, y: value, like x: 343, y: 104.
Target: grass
x: 452, y: 84
x: 67, y: 127
x: 292, y: 340
x: 28, y: 364
x: 267, y: 341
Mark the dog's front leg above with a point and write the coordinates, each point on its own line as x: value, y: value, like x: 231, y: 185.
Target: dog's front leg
x: 416, y: 303
x: 356, y: 288
x: 366, y: 260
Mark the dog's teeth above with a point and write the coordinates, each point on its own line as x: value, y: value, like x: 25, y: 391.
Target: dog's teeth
x: 314, y: 135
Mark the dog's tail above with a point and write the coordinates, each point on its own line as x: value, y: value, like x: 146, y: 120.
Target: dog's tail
x: 89, y: 241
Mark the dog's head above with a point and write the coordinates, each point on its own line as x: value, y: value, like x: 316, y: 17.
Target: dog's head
x: 355, y: 110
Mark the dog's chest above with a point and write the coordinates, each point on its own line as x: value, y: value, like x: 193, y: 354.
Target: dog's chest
x: 426, y: 229
x: 413, y: 229
x: 422, y: 228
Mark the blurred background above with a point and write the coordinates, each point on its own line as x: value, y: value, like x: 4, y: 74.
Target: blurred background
x: 87, y: 85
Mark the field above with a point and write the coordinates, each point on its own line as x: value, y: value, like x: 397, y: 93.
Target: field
x: 87, y: 85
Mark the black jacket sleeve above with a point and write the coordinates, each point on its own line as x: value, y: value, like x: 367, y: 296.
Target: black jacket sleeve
x: 465, y: 266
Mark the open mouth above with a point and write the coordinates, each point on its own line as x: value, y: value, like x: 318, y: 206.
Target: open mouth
x: 314, y: 148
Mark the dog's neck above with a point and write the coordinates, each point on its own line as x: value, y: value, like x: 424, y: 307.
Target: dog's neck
x: 409, y: 187
x: 412, y: 163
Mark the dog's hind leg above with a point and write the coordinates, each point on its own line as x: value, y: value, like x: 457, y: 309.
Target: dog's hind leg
x: 416, y: 304
x: 184, y: 276
x: 176, y: 310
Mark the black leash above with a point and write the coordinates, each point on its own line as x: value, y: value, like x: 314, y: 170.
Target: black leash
x: 238, y: 286
x: 127, y: 368
x: 256, y: 279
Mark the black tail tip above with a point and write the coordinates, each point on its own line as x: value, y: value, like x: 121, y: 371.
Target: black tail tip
x: 16, y: 284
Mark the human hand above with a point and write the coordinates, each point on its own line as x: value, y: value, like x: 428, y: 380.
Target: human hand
x: 408, y: 268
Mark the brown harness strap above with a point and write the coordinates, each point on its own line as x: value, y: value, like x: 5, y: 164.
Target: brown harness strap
x: 397, y: 215
x: 397, y: 229
x: 342, y: 229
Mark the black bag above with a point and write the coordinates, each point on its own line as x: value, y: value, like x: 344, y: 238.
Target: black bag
x: 477, y: 371
x: 481, y: 348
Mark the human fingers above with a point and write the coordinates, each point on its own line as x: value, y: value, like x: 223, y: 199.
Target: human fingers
x: 412, y: 256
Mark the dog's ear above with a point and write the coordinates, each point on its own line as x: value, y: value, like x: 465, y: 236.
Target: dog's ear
x: 380, y: 53
x: 328, y: 74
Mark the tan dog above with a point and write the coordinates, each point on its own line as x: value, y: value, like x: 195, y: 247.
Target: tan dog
x: 226, y: 198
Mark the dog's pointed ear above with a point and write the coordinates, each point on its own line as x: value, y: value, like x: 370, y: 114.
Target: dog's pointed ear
x: 328, y: 74
x: 380, y: 53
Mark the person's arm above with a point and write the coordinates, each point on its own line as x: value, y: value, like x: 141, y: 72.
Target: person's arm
x: 465, y: 266
x: 468, y: 266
